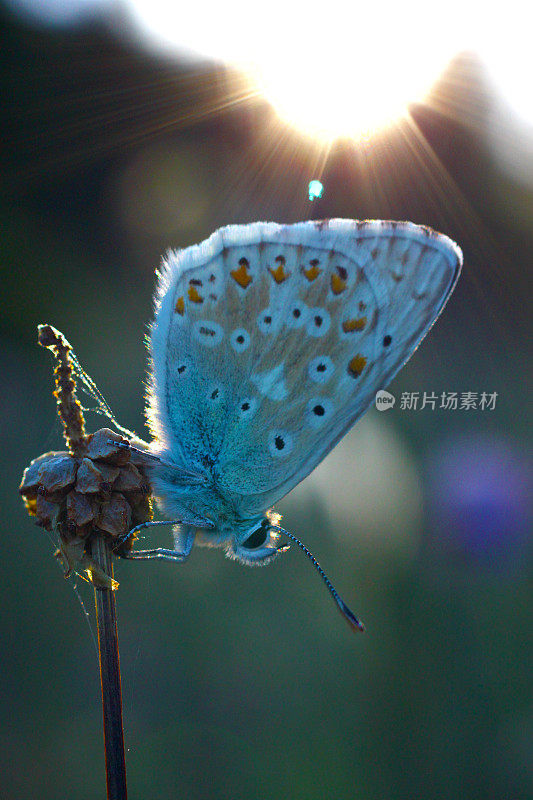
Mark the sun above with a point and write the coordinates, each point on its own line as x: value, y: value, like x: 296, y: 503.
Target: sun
x: 341, y: 70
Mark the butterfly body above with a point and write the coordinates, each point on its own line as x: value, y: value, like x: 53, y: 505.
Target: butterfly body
x: 269, y: 342
x: 211, y: 514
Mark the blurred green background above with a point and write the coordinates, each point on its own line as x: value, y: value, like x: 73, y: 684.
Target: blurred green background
x: 242, y: 683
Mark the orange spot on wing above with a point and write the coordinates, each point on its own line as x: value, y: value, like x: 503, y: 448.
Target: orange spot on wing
x: 338, y: 285
x: 180, y: 306
x: 241, y: 274
x: 357, y: 365
x: 194, y: 295
x: 313, y: 271
x: 351, y: 325
x: 279, y: 273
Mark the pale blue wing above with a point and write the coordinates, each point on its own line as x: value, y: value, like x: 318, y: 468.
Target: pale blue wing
x: 270, y: 341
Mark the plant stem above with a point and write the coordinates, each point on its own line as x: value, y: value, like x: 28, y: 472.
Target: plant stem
x: 71, y: 414
x: 110, y: 676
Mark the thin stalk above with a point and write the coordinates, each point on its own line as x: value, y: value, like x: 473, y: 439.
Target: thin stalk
x: 71, y: 414
x: 106, y: 616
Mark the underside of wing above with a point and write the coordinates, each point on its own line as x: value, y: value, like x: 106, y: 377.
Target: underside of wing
x: 270, y: 341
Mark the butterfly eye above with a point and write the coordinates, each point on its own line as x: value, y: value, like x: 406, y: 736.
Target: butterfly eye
x: 258, y: 536
x: 387, y: 340
x: 261, y: 545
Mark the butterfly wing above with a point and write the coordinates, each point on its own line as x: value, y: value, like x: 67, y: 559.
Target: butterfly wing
x: 270, y: 341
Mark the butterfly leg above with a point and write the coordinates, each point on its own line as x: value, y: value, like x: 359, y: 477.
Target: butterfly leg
x: 161, y: 553
x: 158, y: 553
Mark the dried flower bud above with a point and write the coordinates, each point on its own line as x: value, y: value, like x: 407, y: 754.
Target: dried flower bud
x: 109, y: 473
x: 104, y: 446
x: 91, y: 493
x: 46, y: 512
x: 129, y: 479
x: 58, y: 473
x: 91, y: 476
x: 30, y: 480
x: 82, y: 497
x: 80, y: 509
x: 114, y: 515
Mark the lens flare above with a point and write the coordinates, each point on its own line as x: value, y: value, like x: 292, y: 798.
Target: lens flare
x: 347, y: 69
x: 340, y: 71
x: 316, y: 190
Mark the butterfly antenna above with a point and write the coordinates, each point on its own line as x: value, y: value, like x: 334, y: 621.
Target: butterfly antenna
x: 343, y: 608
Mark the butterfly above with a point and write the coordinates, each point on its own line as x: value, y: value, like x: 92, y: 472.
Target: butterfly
x: 268, y: 344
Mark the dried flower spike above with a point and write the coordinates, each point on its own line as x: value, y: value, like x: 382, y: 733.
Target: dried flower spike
x: 92, y: 490
x: 90, y: 495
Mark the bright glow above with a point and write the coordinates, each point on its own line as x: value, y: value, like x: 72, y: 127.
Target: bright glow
x: 345, y: 69
x: 316, y: 189
x: 348, y: 75
x: 506, y: 50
